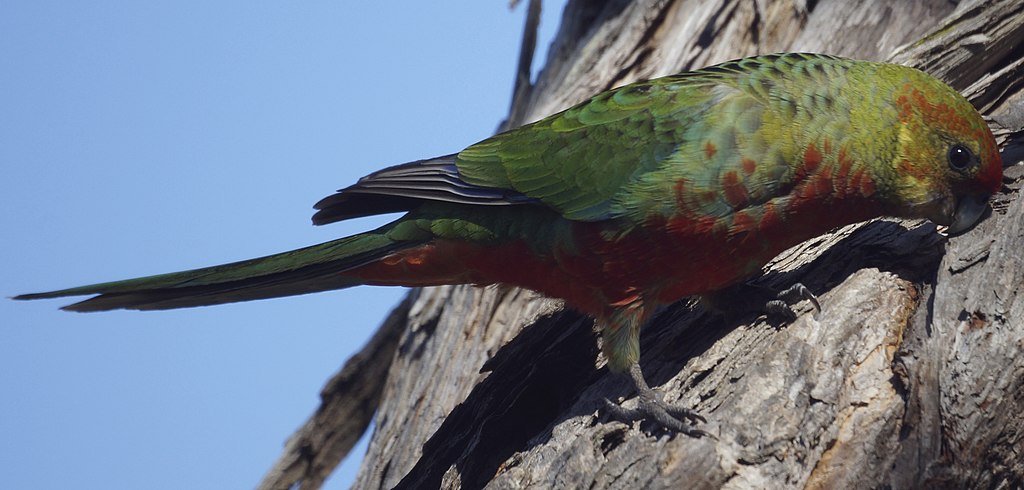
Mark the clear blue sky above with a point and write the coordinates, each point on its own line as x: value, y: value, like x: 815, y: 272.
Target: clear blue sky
x: 144, y: 137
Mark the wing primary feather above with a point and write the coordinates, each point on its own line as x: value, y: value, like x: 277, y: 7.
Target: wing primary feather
x: 407, y: 186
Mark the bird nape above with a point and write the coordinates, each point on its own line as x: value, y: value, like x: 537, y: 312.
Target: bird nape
x: 638, y: 197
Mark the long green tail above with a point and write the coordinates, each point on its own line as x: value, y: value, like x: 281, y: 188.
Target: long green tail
x: 331, y: 265
x: 306, y: 270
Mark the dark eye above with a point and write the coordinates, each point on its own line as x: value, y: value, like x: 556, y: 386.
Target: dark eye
x: 960, y: 157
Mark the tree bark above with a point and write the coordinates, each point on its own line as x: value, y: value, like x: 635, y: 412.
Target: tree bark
x: 912, y: 376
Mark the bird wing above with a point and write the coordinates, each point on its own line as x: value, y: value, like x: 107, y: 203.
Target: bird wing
x: 587, y: 162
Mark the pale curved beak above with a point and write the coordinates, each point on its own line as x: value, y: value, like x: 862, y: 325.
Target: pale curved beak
x: 969, y: 210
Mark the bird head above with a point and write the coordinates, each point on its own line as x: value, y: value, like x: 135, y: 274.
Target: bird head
x: 946, y: 165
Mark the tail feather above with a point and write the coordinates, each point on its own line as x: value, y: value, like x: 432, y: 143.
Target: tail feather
x: 321, y: 267
x: 306, y: 270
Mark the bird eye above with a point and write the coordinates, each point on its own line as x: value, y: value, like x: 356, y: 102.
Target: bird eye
x: 960, y: 157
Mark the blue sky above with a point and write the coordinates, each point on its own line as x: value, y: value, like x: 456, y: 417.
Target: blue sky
x: 146, y: 137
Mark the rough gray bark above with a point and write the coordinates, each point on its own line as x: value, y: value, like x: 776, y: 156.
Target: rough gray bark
x: 911, y: 377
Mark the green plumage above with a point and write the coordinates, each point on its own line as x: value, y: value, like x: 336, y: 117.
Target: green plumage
x: 618, y: 154
x: 639, y: 196
x: 306, y: 270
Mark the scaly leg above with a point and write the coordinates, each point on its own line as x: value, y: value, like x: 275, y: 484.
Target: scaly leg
x: 621, y: 335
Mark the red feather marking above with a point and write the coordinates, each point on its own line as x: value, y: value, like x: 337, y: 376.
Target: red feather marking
x: 577, y: 278
x: 867, y: 186
x: 734, y: 190
x: 842, y: 173
x: 812, y: 158
x: 903, y: 104
x: 770, y: 218
x: 680, y: 189
x: 431, y: 264
x: 709, y: 225
x: 749, y: 165
x: 912, y: 101
x: 816, y: 187
x: 823, y: 185
x: 939, y: 113
x: 710, y: 150
x: 743, y: 225
x: 991, y: 176
x: 626, y: 301
x: 905, y: 167
x: 861, y: 183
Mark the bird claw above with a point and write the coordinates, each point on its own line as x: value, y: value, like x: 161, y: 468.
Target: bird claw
x: 781, y: 305
x: 652, y: 407
x: 798, y: 292
x: 674, y: 418
x: 778, y: 307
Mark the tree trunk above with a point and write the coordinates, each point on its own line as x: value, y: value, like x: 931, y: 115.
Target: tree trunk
x: 912, y: 376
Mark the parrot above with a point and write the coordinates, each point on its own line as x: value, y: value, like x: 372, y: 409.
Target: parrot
x: 638, y: 197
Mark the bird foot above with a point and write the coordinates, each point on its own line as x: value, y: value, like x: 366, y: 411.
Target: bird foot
x: 652, y: 407
x: 781, y: 305
x: 748, y: 298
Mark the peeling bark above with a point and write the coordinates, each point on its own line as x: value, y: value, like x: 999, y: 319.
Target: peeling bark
x: 911, y: 377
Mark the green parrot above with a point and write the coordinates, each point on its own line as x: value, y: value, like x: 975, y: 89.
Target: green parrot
x: 638, y: 197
